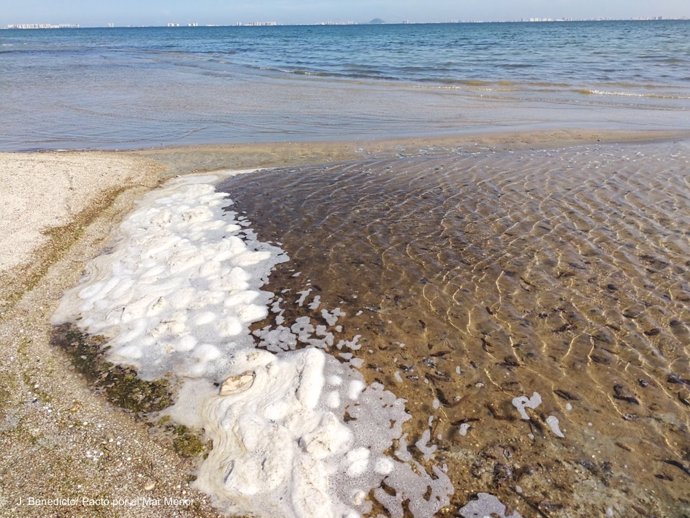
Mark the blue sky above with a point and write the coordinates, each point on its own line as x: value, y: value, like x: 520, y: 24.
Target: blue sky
x: 160, y: 12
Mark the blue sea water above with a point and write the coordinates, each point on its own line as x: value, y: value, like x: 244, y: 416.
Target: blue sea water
x: 139, y: 87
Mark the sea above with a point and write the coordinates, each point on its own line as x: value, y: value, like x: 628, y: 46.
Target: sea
x: 115, y: 88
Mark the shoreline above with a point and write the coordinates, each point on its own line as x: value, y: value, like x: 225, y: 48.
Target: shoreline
x: 147, y: 168
x: 212, y: 157
x: 54, y: 415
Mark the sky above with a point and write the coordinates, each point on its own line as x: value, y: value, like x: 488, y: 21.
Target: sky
x: 161, y: 12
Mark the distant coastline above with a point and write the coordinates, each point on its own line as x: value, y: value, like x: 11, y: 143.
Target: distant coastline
x: 375, y: 21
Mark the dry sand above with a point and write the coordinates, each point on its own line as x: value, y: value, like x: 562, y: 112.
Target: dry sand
x: 58, y: 438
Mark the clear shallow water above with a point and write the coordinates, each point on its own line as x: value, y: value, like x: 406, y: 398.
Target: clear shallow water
x: 109, y: 88
x: 473, y: 279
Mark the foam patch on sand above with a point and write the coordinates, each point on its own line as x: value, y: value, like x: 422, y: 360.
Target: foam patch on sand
x: 180, y: 287
x: 523, y: 402
x: 485, y: 506
x: 290, y: 446
x: 296, y: 433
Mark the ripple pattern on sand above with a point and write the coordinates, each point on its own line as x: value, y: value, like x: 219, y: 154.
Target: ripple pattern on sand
x: 476, y: 278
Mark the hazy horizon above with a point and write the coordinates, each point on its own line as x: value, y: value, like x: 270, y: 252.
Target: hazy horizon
x: 217, y: 12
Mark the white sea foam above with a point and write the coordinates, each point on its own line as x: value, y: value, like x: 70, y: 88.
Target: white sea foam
x: 522, y: 402
x: 176, y: 295
x: 618, y: 93
x: 553, y: 423
x: 180, y: 287
x: 486, y: 505
x: 621, y: 93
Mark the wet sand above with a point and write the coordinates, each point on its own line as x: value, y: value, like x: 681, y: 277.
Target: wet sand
x: 473, y: 267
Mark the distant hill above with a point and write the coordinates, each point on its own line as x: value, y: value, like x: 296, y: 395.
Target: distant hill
x: 377, y: 21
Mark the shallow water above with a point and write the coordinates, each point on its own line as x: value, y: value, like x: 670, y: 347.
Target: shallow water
x: 476, y: 278
x: 144, y: 87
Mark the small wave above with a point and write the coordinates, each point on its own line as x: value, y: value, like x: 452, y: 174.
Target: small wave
x: 326, y: 73
x: 587, y: 91
x: 518, y: 65
x: 302, y: 72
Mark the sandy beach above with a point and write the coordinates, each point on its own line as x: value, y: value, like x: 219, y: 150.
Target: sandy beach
x: 414, y: 267
x: 57, y: 210
x: 62, y: 439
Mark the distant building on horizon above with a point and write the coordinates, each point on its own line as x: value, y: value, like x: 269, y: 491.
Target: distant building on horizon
x: 42, y: 26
